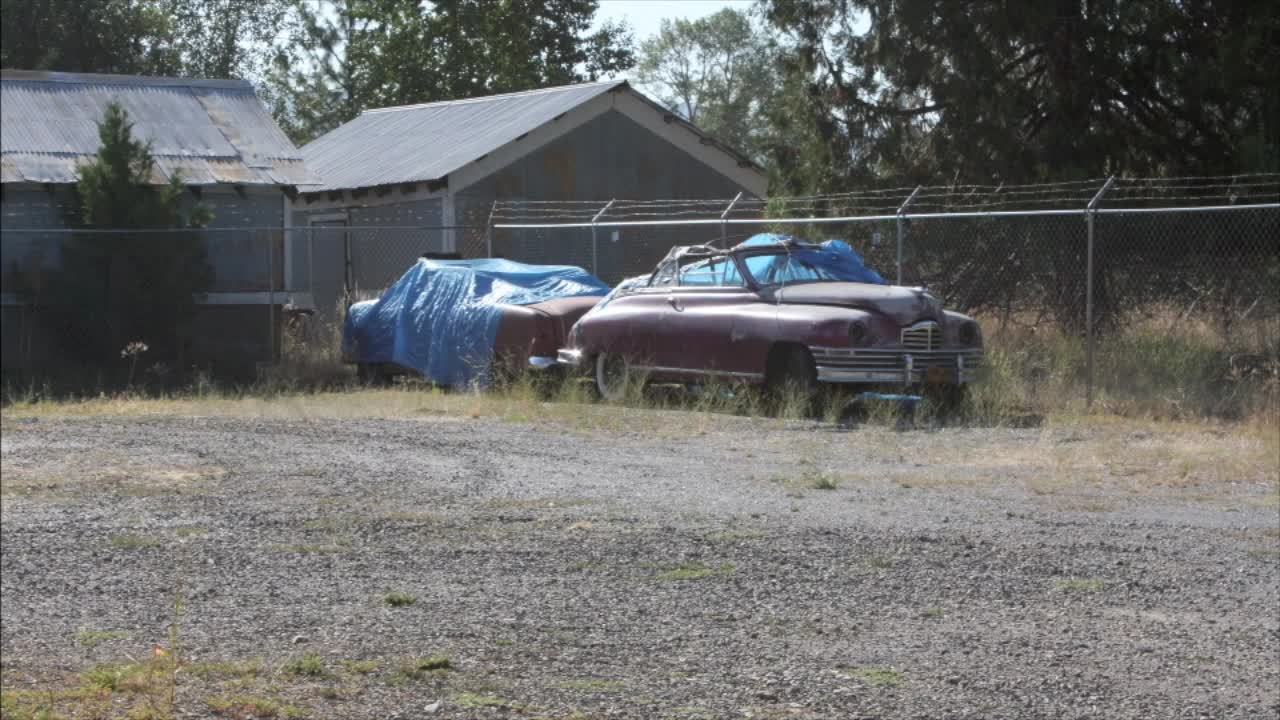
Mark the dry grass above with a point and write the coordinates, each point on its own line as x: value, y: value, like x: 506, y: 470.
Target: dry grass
x: 1163, y: 364
x: 517, y: 404
x: 1085, y: 463
x: 1173, y: 413
x: 1138, y: 453
x: 116, y: 475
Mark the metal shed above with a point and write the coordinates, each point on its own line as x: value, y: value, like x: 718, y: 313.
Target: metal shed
x: 439, y: 167
x: 215, y: 134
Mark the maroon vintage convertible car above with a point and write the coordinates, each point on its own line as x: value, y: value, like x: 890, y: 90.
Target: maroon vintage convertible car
x: 772, y: 310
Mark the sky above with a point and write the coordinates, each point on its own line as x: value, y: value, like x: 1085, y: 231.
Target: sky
x: 645, y: 16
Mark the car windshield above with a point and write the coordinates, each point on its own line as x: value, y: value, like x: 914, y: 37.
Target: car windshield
x: 712, y: 272
x: 785, y: 268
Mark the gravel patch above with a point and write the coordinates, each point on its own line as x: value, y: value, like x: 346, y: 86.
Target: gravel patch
x: 747, y: 569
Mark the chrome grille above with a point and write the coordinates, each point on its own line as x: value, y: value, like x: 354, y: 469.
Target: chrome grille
x: 893, y: 365
x: 925, y: 335
x: 894, y: 360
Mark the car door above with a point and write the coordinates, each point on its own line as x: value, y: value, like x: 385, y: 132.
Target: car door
x: 701, y: 332
x: 631, y: 329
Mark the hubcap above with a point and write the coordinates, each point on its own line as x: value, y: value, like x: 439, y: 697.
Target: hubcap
x: 611, y: 376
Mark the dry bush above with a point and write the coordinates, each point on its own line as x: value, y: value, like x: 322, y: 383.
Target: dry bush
x: 1159, y: 363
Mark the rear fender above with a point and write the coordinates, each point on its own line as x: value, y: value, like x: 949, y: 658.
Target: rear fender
x: 517, y: 332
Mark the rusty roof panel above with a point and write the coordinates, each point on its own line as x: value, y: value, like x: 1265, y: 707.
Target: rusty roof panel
x: 417, y: 143
x: 216, y: 131
x: 8, y: 171
x: 290, y: 172
x: 42, y: 167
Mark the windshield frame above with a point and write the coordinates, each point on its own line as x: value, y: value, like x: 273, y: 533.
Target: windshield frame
x: 744, y: 254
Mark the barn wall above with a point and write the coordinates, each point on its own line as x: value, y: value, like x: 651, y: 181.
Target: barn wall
x: 240, y: 261
x: 608, y: 157
x: 31, y: 206
x: 385, y: 239
x: 243, y: 231
x: 31, y: 217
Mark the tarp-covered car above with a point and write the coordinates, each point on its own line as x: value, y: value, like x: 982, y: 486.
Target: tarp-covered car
x: 772, y: 310
x: 454, y: 322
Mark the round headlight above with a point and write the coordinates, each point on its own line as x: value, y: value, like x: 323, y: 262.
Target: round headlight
x: 857, y: 334
x: 968, y: 333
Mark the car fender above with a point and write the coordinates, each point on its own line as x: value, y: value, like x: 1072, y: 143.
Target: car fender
x: 952, y: 322
x: 829, y: 326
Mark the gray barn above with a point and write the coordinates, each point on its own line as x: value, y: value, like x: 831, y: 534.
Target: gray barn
x: 216, y: 133
x: 439, y: 166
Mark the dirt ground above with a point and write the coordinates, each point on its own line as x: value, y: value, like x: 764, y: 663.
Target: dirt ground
x: 633, y: 564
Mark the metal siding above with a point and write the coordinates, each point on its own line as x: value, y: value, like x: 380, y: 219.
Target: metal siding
x: 29, y: 208
x: 260, y: 207
x: 214, y: 132
x: 427, y: 142
x: 35, y: 207
x: 608, y: 157
x: 239, y: 260
x: 378, y: 256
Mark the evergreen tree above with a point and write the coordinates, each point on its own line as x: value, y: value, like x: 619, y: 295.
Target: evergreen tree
x: 117, y: 287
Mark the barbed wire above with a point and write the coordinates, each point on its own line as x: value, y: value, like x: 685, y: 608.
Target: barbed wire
x: 1244, y: 188
x: 1202, y: 177
x: 1214, y: 196
x: 1120, y: 185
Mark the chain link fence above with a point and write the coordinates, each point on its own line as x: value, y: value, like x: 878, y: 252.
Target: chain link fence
x: 1180, y: 315
x: 89, y: 293
x: 1182, y: 305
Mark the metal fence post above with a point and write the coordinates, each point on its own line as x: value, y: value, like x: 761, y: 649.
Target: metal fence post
x: 347, y: 277
x: 1090, y: 214
x: 724, y: 226
x: 311, y: 267
x: 271, y: 298
x: 595, y: 258
x: 902, y: 210
x: 488, y: 235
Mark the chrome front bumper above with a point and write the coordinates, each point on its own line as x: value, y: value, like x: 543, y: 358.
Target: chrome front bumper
x: 879, y: 365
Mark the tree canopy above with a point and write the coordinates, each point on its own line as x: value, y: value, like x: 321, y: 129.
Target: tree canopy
x: 193, y: 38
x: 348, y: 55
x: 225, y: 38
x: 829, y: 94
x: 716, y: 71
x: 101, y: 36
x: 1023, y: 91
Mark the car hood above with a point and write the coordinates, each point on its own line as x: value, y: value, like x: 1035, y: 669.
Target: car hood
x: 903, y: 304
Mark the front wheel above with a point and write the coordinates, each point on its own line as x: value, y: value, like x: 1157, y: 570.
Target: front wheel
x: 613, y: 376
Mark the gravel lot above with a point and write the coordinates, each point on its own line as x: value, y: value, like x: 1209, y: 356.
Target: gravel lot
x: 663, y: 566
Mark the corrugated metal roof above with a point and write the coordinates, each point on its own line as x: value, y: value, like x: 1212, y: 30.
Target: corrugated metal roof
x: 417, y: 143
x: 213, y: 131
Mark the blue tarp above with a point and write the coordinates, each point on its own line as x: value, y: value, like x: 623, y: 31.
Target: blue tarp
x: 441, y: 317
x: 834, y: 256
